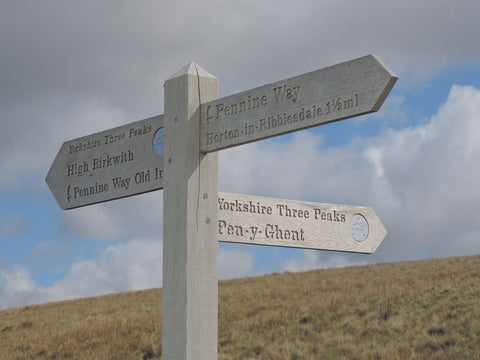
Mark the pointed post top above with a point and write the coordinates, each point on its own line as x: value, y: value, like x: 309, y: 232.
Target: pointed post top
x: 190, y: 247
x: 192, y: 69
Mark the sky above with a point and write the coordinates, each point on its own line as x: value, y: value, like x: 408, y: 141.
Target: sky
x: 73, y: 68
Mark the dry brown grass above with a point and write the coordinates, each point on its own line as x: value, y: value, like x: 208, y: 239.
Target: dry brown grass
x: 415, y: 310
x: 117, y: 326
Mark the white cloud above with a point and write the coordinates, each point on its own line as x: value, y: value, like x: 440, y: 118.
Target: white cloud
x: 16, y: 287
x: 432, y: 173
x: 137, y: 216
x: 133, y: 265
x: 32, y: 135
x: 94, y: 221
x: 317, y: 260
x: 300, y: 168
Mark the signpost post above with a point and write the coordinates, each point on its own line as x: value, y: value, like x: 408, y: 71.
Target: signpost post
x: 134, y: 159
x: 190, y: 271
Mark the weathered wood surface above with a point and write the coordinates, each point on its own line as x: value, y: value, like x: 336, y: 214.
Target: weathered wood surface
x: 131, y: 159
x: 334, y: 93
x: 108, y: 165
x: 278, y: 222
x: 190, y: 247
x: 121, y: 162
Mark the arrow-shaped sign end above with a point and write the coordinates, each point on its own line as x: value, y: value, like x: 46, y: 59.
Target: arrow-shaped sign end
x: 391, y: 78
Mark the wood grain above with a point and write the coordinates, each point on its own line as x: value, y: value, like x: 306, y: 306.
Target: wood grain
x: 290, y: 223
x: 107, y: 165
x: 190, y: 247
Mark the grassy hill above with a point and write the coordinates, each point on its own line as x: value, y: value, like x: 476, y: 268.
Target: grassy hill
x: 411, y: 310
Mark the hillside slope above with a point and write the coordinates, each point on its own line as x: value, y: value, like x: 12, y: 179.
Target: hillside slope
x: 411, y: 310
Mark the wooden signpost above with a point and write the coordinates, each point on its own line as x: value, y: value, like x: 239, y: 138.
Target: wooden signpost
x: 177, y: 152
